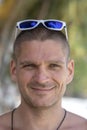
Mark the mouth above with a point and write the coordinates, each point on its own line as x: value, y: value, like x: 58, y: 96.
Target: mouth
x: 42, y: 90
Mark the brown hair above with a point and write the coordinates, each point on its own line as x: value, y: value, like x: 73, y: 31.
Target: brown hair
x: 40, y: 33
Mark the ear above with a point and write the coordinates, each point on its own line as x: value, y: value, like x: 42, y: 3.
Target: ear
x: 13, y: 70
x: 70, y: 68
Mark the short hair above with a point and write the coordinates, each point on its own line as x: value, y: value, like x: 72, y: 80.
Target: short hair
x: 40, y: 33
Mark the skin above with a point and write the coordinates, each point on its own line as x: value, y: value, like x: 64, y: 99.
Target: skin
x: 42, y: 73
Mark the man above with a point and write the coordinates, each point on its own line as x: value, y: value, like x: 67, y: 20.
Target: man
x: 42, y: 68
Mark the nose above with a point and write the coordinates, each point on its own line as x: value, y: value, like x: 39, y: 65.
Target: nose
x: 41, y: 75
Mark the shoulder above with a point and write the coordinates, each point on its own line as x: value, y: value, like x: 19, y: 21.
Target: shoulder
x: 77, y: 122
x: 5, y: 121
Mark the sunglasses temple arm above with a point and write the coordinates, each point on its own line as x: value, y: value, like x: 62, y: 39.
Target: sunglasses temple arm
x: 66, y: 33
x: 16, y: 31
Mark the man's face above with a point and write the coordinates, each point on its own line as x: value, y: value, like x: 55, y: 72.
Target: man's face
x: 42, y: 72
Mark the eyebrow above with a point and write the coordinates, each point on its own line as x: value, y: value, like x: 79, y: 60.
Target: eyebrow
x: 56, y: 61
x: 26, y: 62
x: 34, y: 62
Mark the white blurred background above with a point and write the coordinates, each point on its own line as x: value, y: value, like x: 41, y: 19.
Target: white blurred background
x: 75, y: 105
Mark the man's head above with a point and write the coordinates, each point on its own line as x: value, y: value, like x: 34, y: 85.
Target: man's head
x: 41, y: 67
x: 40, y: 33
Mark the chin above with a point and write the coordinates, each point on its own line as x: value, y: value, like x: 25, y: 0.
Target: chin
x: 42, y: 105
x: 41, y: 102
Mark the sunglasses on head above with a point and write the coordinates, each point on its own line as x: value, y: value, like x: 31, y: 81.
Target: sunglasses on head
x: 51, y: 24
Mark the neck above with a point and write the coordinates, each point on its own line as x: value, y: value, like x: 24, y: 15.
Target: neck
x: 40, y: 118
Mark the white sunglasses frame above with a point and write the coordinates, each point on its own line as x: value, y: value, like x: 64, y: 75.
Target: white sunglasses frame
x: 43, y: 22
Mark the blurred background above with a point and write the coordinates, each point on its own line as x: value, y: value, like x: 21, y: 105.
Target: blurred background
x: 74, y: 13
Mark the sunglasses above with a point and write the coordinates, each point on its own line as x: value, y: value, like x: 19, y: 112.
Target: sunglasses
x: 51, y: 24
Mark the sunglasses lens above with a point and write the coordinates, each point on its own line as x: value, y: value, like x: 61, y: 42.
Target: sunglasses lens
x: 54, y: 24
x: 27, y: 24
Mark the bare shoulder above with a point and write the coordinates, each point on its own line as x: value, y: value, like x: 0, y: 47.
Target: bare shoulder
x: 5, y: 121
x: 77, y: 122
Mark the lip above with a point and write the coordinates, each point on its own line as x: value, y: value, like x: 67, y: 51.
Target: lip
x: 42, y: 90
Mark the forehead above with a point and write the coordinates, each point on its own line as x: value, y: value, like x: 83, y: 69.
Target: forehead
x: 41, y: 50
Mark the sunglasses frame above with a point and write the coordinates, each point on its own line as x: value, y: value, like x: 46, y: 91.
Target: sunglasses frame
x: 43, y: 22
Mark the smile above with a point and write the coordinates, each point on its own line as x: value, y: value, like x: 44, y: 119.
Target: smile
x: 42, y: 90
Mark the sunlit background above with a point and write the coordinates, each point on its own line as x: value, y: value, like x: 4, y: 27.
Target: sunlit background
x: 74, y: 13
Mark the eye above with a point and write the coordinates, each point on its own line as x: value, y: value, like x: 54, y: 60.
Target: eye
x: 54, y: 66
x: 29, y: 66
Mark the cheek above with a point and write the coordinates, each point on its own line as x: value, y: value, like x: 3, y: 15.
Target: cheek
x: 23, y: 78
x: 61, y: 80
x: 22, y: 81
x: 59, y: 76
